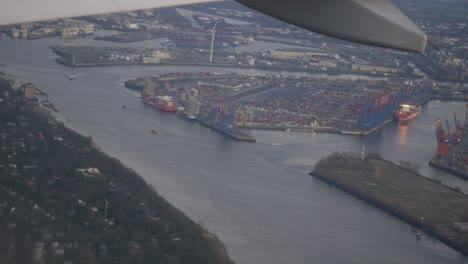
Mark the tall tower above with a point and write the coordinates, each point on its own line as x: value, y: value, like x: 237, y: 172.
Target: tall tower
x: 212, y: 41
x: 149, y: 38
x: 149, y: 88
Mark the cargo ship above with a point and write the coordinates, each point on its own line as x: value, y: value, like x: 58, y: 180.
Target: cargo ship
x: 164, y: 103
x: 407, y: 112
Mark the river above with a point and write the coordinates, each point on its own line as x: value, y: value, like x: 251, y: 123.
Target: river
x: 258, y: 197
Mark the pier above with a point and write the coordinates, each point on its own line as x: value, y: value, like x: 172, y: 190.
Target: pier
x: 425, y: 204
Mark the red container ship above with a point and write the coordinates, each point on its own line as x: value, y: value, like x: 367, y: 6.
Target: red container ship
x: 407, y: 112
x: 164, y: 103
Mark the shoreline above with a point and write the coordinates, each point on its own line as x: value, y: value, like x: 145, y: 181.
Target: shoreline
x: 219, y: 246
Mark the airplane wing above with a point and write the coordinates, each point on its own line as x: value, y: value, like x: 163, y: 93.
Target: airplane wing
x: 374, y: 22
x: 21, y: 11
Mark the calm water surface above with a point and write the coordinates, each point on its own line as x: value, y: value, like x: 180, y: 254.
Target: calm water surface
x: 257, y: 198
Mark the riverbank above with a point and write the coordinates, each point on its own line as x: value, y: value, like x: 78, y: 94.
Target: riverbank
x: 401, y: 193
x: 60, y: 187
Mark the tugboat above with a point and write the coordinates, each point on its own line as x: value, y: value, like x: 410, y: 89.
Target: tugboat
x: 185, y: 114
x: 418, y: 235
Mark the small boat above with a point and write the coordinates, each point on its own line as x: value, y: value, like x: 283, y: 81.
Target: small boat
x: 124, y: 106
x: 418, y: 236
x: 185, y: 114
x: 155, y: 132
x: 72, y: 77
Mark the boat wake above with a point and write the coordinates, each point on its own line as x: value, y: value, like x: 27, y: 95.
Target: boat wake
x: 277, y: 144
x: 146, y: 117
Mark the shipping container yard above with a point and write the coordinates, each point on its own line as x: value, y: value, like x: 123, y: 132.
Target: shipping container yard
x: 231, y: 102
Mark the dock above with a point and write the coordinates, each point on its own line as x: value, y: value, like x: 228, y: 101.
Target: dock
x: 312, y: 129
x: 236, y: 134
x: 427, y: 205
